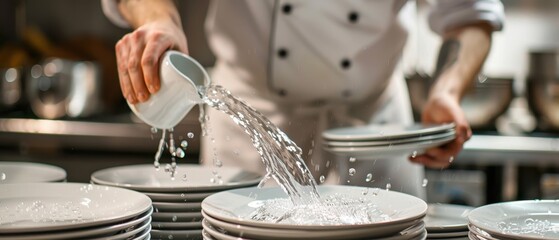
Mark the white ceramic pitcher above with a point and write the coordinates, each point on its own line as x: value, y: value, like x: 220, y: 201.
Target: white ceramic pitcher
x: 181, y: 76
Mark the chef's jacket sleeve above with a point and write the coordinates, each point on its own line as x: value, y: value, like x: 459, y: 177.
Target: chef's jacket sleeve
x: 447, y: 14
x: 110, y: 9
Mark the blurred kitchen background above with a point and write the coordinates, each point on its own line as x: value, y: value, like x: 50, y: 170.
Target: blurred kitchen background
x: 60, y: 100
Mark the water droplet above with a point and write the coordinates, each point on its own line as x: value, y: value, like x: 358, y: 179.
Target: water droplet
x: 414, y: 154
x: 184, y: 143
x: 327, y: 164
x: 179, y: 153
x: 184, y: 178
x: 388, y: 186
x: 481, y: 78
x: 170, y: 236
x: 451, y: 159
x: 369, y: 177
x: 212, y: 180
x: 322, y: 179
x: 218, y: 163
x: 365, y: 191
x: 425, y: 181
x: 352, y: 159
x: 174, y: 218
x: 351, y: 171
x: 2, y: 176
x: 190, y: 135
x: 153, y: 130
x: 156, y: 164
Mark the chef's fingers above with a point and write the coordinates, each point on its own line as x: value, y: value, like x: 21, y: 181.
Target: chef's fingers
x: 137, y: 47
x: 430, y: 162
x: 122, y: 50
x: 155, y: 47
x: 440, y: 157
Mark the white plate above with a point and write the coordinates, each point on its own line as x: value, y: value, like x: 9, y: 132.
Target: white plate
x: 178, y: 197
x: 26, y: 172
x: 384, y: 132
x: 39, y: 207
x: 177, y: 216
x: 82, y: 233
x: 417, y: 232
x: 135, y: 233
x: 177, y: 207
x: 537, y: 219
x: 479, y: 233
x: 444, y: 218
x: 198, y: 178
x: 176, y: 225
x: 396, y: 149
x: 235, y: 205
x: 388, y: 142
x: 447, y: 235
x: 238, y: 230
x: 176, y: 234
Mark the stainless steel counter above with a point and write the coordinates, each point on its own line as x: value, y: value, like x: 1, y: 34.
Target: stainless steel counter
x: 521, y: 150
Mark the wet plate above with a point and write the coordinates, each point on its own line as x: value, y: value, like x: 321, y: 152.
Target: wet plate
x: 177, y: 216
x: 176, y: 225
x: 537, y: 219
x: 100, y: 231
x: 178, y: 197
x: 388, y: 142
x: 235, y: 230
x: 40, y: 207
x: 236, y: 206
x: 198, y: 178
x: 176, y: 234
x: 444, y: 218
x: 384, y: 132
x: 395, y: 149
x: 26, y: 172
x: 177, y: 207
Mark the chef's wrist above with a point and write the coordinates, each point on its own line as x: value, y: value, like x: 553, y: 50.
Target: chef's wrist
x: 141, y: 12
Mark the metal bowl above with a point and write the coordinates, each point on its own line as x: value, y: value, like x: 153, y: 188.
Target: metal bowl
x: 484, y: 102
x: 542, y: 88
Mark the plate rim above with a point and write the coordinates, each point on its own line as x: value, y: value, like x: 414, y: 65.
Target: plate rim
x: 475, y: 221
x: 421, y: 213
x: 172, y: 189
x: 432, y: 129
x: 107, y: 220
x: 61, y: 172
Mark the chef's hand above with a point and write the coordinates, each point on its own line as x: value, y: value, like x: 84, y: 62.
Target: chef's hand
x: 157, y: 29
x: 444, y: 108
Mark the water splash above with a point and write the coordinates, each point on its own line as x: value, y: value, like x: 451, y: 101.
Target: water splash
x: 280, y: 155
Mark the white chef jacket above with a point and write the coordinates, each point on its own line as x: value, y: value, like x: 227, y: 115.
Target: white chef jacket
x: 310, y: 65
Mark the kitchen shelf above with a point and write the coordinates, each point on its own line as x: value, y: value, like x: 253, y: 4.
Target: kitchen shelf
x: 521, y: 150
x: 120, y: 133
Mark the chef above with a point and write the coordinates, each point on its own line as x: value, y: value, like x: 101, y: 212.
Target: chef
x: 311, y: 65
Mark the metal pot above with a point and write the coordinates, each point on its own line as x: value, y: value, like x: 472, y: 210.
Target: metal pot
x: 62, y: 88
x: 11, y: 88
x: 542, y: 89
x: 488, y: 99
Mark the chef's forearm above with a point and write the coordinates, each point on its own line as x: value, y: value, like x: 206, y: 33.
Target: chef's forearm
x: 140, y: 12
x: 467, y: 48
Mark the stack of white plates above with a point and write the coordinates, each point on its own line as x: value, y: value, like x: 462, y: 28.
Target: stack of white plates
x: 386, y: 140
x: 447, y: 221
x: 176, y: 201
x: 227, y: 216
x: 28, y: 172
x: 533, y: 219
x: 33, y: 211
